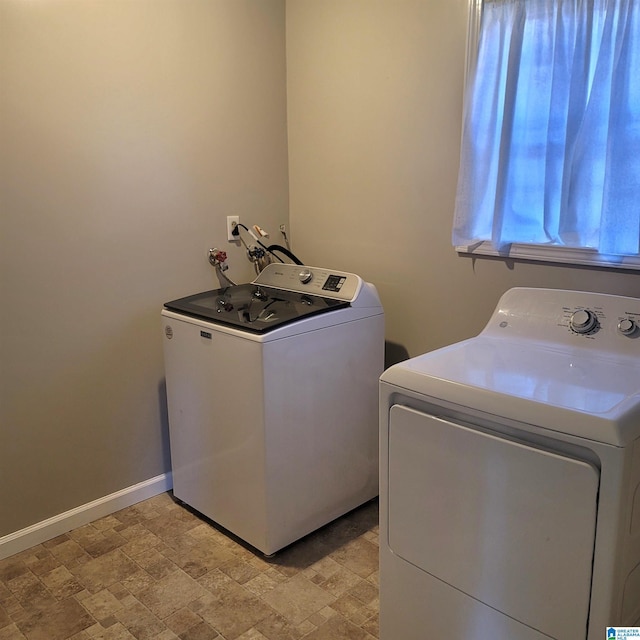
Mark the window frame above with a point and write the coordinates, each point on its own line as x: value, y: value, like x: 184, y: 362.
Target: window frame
x: 520, y: 251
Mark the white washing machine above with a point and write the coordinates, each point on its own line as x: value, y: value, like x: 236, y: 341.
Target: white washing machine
x: 272, y: 391
x: 510, y: 476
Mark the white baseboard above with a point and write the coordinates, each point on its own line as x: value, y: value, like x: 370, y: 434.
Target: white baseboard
x: 78, y: 517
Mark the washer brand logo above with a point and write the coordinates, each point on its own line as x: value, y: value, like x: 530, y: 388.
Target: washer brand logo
x: 168, y: 331
x: 205, y: 334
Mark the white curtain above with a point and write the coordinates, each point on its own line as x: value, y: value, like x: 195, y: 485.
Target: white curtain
x: 551, y: 135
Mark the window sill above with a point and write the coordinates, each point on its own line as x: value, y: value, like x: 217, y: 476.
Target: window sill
x: 562, y: 255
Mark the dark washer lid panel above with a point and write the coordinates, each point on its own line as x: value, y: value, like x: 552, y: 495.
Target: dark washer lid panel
x: 254, y: 308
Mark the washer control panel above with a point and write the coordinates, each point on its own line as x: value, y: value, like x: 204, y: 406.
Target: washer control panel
x: 321, y: 282
x: 602, y: 321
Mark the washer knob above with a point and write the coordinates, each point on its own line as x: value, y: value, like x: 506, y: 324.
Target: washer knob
x: 583, y: 321
x: 305, y: 275
x: 627, y: 326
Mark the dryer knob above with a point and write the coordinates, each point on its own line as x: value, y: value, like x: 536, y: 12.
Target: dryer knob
x: 583, y: 321
x: 627, y: 326
x: 305, y: 276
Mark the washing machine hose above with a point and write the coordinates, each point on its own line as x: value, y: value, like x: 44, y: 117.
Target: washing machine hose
x: 280, y: 249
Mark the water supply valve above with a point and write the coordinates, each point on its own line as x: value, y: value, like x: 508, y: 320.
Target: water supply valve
x: 218, y: 258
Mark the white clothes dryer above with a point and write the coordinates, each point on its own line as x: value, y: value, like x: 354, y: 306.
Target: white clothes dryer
x: 272, y: 391
x: 510, y: 476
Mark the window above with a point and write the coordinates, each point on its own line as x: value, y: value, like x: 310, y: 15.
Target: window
x: 550, y: 154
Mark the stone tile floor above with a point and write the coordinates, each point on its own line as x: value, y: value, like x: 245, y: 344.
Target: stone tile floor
x: 158, y: 570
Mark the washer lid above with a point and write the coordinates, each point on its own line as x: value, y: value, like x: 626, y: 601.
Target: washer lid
x: 564, y: 390
x: 253, y: 308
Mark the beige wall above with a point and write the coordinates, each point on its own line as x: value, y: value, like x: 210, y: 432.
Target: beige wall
x: 374, y: 112
x: 129, y: 129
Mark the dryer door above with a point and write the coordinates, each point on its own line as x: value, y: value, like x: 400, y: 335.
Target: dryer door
x: 508, y: 524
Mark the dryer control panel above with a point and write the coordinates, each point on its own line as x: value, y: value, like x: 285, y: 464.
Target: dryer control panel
x: 600, y: 321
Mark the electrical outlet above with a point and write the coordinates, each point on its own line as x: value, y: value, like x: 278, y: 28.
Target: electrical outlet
x: 232, y: 223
